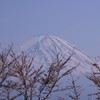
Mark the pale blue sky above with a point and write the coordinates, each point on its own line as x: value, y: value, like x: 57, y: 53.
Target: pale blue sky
x: 77, y: 21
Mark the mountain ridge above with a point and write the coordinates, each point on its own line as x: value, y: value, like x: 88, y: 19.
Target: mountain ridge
x: 46, y: 48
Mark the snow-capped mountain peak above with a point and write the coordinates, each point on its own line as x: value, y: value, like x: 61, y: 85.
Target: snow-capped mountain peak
x: 46, y: 48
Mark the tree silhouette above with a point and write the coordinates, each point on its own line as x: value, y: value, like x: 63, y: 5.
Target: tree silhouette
x: 94, y: 76
x: 20, y: 78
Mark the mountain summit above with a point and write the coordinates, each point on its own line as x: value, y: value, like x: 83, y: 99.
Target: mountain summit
x: 47, y: 47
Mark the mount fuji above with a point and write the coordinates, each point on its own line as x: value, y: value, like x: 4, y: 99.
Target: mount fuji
x: 47, y: 47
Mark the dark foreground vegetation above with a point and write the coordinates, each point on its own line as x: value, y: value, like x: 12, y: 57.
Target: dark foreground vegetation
x: 20, y: 78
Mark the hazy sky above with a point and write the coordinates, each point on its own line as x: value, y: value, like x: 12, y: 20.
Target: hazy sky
x: 77, y: 21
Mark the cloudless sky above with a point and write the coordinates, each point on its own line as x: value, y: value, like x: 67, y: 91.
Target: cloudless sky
x: 77, y: 21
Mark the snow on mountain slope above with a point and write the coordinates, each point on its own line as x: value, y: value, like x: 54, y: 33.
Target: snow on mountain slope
x: 47, y: 47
